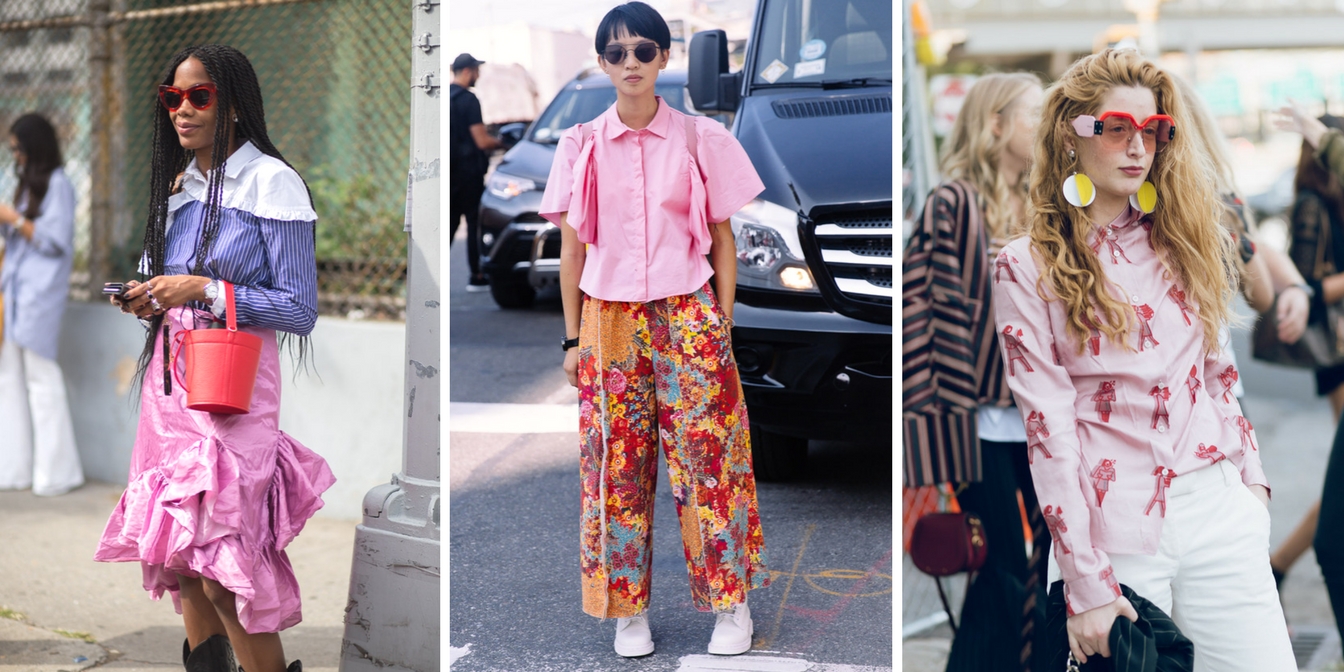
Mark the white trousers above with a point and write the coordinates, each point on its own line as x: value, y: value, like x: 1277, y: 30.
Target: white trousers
x: 37, y: 438
x: 1211, y: 574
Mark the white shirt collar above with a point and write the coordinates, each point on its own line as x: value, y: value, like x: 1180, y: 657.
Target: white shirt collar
x: 253, y: 182
x: 245, y: 154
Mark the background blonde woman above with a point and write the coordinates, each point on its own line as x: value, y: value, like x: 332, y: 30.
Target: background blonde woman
x: 966, y: 220
x: 1151, y: 476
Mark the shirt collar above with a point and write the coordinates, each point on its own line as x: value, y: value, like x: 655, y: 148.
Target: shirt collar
x: 658, y: 127
x: 233, y: 166
x: 1128, y: 217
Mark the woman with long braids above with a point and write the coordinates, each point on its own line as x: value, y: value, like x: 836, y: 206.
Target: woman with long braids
x: 37, y: 438
x: 1122, y: 285
x: 643, y: 216
x: 213, y: 499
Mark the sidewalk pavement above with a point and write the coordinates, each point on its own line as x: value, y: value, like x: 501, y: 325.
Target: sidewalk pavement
x: 1295, y: 431
x: 61, y: 611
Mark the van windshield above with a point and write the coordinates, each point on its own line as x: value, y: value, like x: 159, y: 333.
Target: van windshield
x: 824, y: 41
x: 580, y: 105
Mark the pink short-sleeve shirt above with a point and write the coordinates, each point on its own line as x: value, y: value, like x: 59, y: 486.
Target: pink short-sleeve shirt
x: 636, y: 197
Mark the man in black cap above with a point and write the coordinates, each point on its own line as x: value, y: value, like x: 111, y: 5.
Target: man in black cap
x: 467, y: 166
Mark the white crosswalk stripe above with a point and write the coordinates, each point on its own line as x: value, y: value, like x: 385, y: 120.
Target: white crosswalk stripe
x: 512, y: 418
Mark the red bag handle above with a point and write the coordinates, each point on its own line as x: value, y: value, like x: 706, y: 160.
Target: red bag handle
x: 228, y: 305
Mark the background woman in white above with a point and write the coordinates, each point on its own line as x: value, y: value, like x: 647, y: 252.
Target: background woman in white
x: 37, y: 439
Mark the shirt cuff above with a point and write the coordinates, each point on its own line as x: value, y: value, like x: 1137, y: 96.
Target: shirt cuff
x: 220, y: 303
x: 1252, y: 474
x: 1091, y: 591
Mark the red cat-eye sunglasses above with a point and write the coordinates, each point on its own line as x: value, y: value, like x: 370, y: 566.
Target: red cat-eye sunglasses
x: 201, y: 96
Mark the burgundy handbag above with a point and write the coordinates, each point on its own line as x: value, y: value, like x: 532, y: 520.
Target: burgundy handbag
x: 944, y: 544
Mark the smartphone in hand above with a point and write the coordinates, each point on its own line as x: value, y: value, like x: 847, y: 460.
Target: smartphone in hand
x: 116, y: 290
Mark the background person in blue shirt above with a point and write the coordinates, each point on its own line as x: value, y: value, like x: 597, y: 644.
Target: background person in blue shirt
x: 37, y: 439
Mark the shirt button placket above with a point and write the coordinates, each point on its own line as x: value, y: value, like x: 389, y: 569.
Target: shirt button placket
x: 641, y: 251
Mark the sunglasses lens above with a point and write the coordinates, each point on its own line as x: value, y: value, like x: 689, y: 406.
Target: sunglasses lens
x: 614, y: 55
x: 646, y: 52
x: 171, y: 99
x: 200, y: 98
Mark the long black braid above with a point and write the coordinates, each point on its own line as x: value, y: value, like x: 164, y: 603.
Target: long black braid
x: 238, y: 94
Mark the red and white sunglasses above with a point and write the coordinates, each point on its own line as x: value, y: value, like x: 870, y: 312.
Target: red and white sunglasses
x: 1117, y: 129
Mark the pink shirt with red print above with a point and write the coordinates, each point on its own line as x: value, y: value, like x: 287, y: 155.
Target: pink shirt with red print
x: 1116, y: 426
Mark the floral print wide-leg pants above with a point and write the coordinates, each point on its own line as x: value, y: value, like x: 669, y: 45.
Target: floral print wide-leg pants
x: 663, y: 372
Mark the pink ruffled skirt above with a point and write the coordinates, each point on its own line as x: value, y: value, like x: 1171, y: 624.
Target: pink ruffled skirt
x: 217, y: 496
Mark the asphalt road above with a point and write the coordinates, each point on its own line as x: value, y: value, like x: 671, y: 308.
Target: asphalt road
x: 514, y: 511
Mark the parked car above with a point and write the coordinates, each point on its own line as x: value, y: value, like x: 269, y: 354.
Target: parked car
x: 812, y: 108
x: 520, y: 251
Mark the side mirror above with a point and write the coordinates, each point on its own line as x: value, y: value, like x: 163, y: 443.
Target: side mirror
x: 711, y: 87
x: 511, y: 134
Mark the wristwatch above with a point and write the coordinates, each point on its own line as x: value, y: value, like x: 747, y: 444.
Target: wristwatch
x: 212, y: 291
x: 567, y: 343
x: 1311, y: 293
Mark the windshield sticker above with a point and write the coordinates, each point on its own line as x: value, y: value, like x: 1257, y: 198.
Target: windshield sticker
x: 774, y: 71
x: 809, y: 68
x: 813, y: 50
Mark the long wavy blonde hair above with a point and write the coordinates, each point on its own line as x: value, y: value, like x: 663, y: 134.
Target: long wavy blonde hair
x: 972, y: 151
x: 1192, y: 246
x: 1204, y: 131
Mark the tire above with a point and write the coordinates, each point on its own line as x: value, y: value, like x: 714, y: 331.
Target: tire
x: 511, y: 291
x: 777, y: 457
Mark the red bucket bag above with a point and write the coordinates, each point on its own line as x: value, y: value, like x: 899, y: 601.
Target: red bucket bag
x: 221, y: 364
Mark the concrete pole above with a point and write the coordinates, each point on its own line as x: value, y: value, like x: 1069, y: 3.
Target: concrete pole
x: 392, y: 618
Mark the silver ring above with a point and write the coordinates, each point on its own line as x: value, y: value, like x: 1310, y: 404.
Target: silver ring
x: 154, y: 303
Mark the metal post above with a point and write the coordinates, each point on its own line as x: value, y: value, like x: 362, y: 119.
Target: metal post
x: 100, y: 162
x: 392, y: 618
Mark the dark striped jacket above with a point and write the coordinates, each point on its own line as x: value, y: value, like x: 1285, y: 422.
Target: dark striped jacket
x: 949, y: 349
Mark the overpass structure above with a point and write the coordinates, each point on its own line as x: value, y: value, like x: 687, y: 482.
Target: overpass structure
x: 989, y: 28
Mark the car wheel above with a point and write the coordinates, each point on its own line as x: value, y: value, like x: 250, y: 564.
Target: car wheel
x: 777, y: 457
x: 511, y: 291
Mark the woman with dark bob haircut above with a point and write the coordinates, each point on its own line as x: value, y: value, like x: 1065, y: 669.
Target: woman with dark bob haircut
x: 37, y: 438
x: 213, y: 499
x: 642, y: 196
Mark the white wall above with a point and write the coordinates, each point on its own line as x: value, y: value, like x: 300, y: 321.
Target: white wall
x: 551, y: 57
x: 348, y: 407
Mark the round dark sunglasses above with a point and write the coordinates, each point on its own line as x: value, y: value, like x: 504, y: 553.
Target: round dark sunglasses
x: 201, y: 96
x: 644, y: 51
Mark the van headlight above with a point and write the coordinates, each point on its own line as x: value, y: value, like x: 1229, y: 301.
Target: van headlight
x: 505, y: 186
x: 769, y: 255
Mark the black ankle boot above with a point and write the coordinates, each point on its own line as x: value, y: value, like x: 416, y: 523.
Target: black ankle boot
x: 295, y: 666
x: 212, y: 655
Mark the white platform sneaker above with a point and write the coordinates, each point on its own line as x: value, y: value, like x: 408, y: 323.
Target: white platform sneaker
x: 633, y: 638
x: 732, y: 632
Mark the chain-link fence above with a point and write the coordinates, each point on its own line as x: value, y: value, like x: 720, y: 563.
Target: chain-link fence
x: 335, y: 76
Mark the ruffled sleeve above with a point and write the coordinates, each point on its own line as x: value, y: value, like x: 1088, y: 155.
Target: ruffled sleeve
x: 573, y: 172
x: 730, y: 181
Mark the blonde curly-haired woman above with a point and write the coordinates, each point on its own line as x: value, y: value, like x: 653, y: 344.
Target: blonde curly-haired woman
x: 1122, y: 285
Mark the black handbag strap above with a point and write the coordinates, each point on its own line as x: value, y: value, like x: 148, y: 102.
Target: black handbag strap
x: 947, y: 608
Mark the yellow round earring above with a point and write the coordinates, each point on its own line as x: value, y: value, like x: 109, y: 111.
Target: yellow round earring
x: 1078, y: 190
x: 1146, y: 200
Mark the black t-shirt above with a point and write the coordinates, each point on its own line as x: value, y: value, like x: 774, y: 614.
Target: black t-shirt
x: 467, y: 161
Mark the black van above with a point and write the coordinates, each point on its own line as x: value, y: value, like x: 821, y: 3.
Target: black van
x: 812, y: 108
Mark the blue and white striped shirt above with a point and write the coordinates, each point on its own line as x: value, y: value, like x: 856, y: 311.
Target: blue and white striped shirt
x: 265, y: 240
